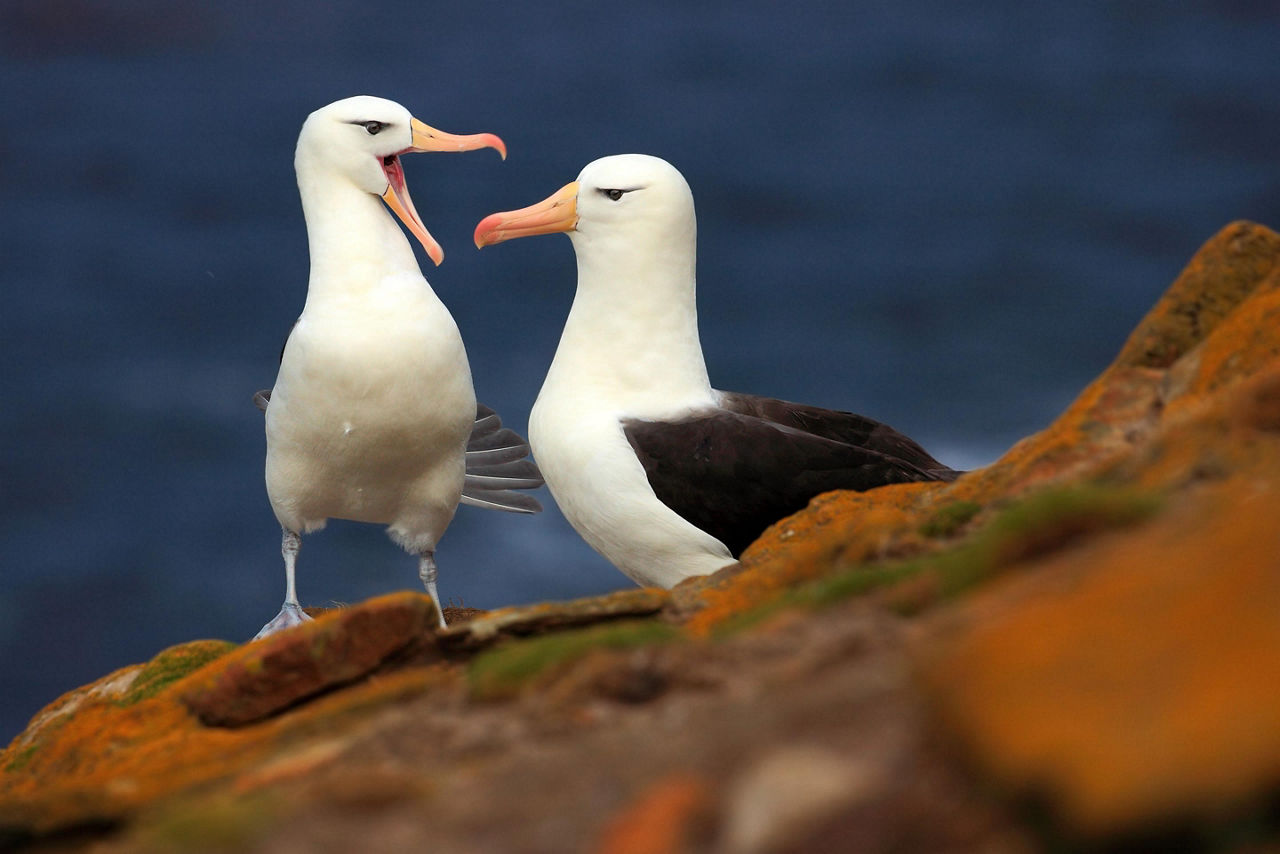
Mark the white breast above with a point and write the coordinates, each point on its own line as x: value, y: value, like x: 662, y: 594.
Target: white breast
x: 371, y: 412
x: 603, y: 491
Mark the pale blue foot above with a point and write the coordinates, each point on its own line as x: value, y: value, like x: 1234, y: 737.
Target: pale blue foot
x: 291, y: 614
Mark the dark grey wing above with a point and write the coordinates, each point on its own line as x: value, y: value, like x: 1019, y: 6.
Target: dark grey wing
x: 497, y: 466
x: 733, y: 475
x: 847, y: 427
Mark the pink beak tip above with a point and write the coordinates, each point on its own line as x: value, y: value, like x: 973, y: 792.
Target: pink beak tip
x: 483, y: 230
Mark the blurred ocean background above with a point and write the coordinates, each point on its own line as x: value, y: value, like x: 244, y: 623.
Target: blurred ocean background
x: 946, y: 216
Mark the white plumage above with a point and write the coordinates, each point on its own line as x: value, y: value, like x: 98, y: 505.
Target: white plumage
x: 662, y: 474
x: 373, y: 406
x: 630, y: 348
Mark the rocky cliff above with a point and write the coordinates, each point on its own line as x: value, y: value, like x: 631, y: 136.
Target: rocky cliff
x: 1076, y: 647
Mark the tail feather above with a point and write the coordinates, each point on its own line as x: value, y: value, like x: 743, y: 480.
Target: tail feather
x: 503, y: 499
x: 497, y: 466
x: 502, y: 438
x: 518, y: 474
x: 496, y: 456
x: 487, y: 421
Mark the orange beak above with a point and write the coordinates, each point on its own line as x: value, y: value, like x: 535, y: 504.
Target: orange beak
x: 427, y: 138
x: 558, y: 212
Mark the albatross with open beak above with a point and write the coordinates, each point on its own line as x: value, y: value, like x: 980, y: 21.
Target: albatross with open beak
x: 663, y: 475
x: 373, y: 416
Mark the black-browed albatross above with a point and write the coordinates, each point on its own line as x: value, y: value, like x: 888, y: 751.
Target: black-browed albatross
x: 373, y: 416
x: 663, y: 475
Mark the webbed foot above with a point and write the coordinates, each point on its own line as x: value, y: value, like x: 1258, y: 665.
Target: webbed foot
x: 291, y: 614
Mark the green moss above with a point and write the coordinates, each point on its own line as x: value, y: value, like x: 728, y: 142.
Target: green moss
x: 1037, y: 525
x: 503, y: 671
x: 213, y: 824
x: 816, y: 594
x: 170, y: 666
x: 950, y: 518
x: 23, y: 759
x: 1048, y: 520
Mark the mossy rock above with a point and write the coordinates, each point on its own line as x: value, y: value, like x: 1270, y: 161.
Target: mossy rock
x: 504, y: 671
x: 950, y: 519
x: 171, y: 665
x: 1038, y: 524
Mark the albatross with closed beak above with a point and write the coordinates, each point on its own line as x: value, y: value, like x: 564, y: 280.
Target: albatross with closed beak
x: 373, y: 416
x: 662, y: 474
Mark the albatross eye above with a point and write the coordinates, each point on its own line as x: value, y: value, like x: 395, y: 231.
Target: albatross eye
x: 373, y: 127
x: 613, y: 194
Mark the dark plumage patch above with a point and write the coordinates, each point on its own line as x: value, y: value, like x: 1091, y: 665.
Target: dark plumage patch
x: 736, y: 470
x: 847, y: 427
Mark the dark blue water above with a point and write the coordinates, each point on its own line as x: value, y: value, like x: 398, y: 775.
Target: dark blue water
x: 947, y: 216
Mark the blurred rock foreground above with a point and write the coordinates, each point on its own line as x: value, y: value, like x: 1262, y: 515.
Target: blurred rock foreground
x: 1076, y: 648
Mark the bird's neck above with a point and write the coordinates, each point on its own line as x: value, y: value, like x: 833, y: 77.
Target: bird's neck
x: 354, y: 242
x: 632, y: 333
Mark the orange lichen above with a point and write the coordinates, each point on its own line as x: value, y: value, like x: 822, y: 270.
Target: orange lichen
x: 1143, y: 685
x: 1244, y: 343
x: 1133, y: 680
x: 105, y: 758
x: 1221, y: 275
x: 664, y: 819
x: 276, y: 672
x: 837, y: 529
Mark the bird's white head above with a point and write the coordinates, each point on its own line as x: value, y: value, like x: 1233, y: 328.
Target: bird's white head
x: 633, y: 199
x: 360, y: 140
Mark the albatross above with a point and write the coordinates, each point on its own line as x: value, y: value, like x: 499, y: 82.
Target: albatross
x: 663, y: 475
x: 373, y: 416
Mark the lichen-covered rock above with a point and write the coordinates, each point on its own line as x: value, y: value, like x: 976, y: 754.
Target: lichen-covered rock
x: 98, y: 755
x: 508, y: 670
x: 278, y: 671
x: 1130, y: 681
x: 1225, y: 272
x: 1215, y: 325
x: 523, y: 620
x: 837, y: 529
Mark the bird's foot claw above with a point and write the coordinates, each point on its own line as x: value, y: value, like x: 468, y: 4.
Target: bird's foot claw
x: 290, y: 615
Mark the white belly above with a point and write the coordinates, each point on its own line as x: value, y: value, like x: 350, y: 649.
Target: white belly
x: 369, y: 418
x: 601, y: 488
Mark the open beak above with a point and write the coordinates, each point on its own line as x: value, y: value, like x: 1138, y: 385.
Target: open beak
x: 427, y: 138
x: 558, y: 212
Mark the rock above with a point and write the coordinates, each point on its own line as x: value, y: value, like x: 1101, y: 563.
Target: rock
x: 270, y: 675
x: 523, y: 620
x: 100, y: 755
x: 1130, y: 682
x: 1230, y: 283
x: 512, y: 669
x: 838, y: 528
x: 789, y: 791
x: 1226, y: 271
x: 1126, y: 685
x: 73, y: 765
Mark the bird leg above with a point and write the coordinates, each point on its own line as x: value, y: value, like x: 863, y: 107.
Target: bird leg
x: 427, y: 572
x: 291, y: 613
